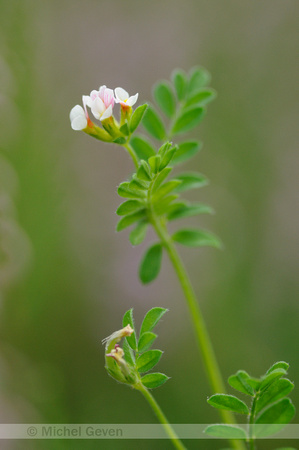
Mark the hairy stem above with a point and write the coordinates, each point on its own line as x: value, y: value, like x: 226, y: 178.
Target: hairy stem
x: 161, y: 417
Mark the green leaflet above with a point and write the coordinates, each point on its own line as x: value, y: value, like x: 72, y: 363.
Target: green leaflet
x: 142, y: 147
x: 151, y: 264
x: 185, y: 151
x: 188, y: 119
x: 138, y: 235
x: 224, y: 431
x: 201, y: 97
x: 191, y: 180
x: 199, y: 77
x: 196, y: 238
x: 153, y: 124
x: 239, y: 382
x: 190, y: 210
x: 154, y: 380
x: 275, y: 417
x: 145, y: 341
x: 128, y: 207
x: 229, y: 402
x: 179, y: 79
x: 129, y: 320
x: 137, y: 117
x: 125, y: 190
x: 151, y: 319
x: 148, y: 360
x: 279, y: 389
x: 164, y: 96
x: 129, y: 219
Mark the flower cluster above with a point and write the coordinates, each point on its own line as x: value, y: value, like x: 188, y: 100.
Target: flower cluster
x: 101, y: 103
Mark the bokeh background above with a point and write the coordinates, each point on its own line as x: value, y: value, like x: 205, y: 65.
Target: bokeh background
x: 67, y: 277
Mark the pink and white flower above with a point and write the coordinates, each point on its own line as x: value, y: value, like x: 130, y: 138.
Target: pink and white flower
x: 101, y: 103
x: 123, y: 97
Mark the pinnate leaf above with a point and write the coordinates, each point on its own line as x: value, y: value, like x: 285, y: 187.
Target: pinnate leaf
x: 151, y: 264
x: 229, y: 402
x: 148, y: 360
x: 154, y: 380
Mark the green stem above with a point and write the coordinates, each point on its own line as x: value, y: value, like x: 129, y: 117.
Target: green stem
x: 203, y: 339
x: 132, y: 154
x: 161, y: 417
x: 251, y: 424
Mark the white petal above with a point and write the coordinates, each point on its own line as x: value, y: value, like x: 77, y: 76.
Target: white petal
x: 76, y: 111
x: 107, y: 113
x: 132, y: 100
x: 97, y: 107
x: 121, y: 95
x: 86, y: 100
x: 79, y: 123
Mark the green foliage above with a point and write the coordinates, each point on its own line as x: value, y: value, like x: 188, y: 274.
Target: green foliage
x: 142, y: 147
x: 165, y: 98
x: 138, y: 235
x: 154, y: 380
x: 185, y: 151
x: 136, y: 117
x: 270, y: 408
x: 129, y: 320
x: 151, y: 264
x: 188, y: 120
x: 229, y: 402
x: 138, y: 359
x: 153, y: 124
x: 148, y: 360
x: 225, y: 431
x: 151, y: 319
x: 196, y: 238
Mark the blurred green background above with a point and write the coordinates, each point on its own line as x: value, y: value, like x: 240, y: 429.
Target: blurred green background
x: 67, y: 277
